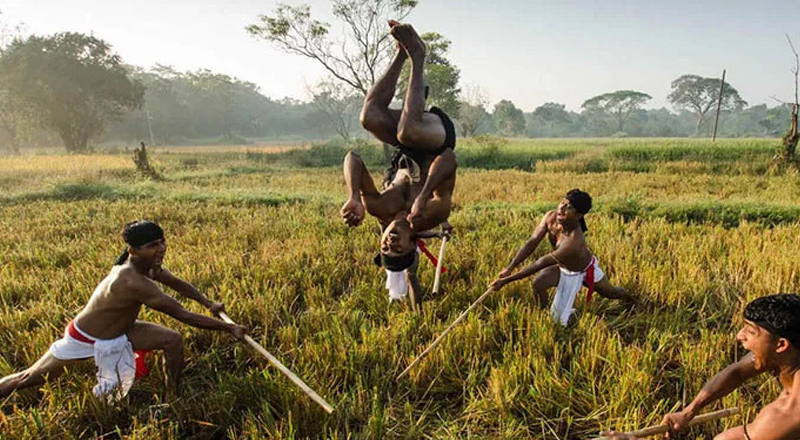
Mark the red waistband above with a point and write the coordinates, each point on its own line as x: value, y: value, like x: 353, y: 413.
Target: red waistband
x: 75, y: 334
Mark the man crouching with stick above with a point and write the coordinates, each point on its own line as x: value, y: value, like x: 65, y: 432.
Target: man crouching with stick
x: 569, y: 266
x: 107, y: 329
x: 771, y: 332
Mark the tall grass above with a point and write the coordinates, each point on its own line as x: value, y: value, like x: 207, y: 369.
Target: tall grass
x: 695, y: 246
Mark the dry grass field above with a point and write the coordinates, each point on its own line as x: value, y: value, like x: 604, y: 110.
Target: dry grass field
x: 695, y: 229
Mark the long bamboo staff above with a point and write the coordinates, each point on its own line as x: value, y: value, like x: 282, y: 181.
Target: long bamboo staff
x: 274, y: 361
x: 663, y: 429
x: 444, y: 333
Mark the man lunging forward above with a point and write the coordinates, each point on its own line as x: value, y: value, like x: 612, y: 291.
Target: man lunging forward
x: 771, y: 332
x: 107, y: 329
x: 569, y: 266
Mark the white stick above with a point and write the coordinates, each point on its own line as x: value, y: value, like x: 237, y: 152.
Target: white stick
x: 274, y: 361
x: 445, y: 332
x: 439, y: 265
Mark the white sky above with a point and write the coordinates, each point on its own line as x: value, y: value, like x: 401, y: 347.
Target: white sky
x: 528, y: 51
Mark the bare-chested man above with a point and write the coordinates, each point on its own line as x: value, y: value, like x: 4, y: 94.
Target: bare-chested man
x: 416, y: 195
x: 771, y: 332
x: 569, y: 266
x: 107, y: 329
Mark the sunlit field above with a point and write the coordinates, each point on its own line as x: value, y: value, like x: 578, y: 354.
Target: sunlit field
x: 696, y: 229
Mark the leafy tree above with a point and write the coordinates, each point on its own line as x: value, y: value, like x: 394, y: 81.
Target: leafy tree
x: 441, y: 76
x: 550, y: 119
x: 510, y: 120
x: 358, y: 57
x: 619, y: 104
x: 72, y: 82
x: 700, y: 95
x: 355, y: 59
x: 14, y: 119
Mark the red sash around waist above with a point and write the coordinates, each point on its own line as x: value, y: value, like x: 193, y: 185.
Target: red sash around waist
x: 138, y: 355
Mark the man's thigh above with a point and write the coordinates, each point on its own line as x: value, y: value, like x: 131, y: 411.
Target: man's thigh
x: 605, y: 288
x: 47, y: 366
x: 148, y: 336
x: 432, y: 134
x: 386, y: 203
x: 547, y: 279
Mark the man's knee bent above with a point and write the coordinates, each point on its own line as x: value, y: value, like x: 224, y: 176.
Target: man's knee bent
x: 411, y: 134
x: 173, y: 341
x: 371, y: 117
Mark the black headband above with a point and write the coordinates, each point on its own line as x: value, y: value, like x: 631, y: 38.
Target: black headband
x: 792, y: 336
x: 141, y: 233
x: 137, y: 234
x: 581, y: 205
x: 398, y: 263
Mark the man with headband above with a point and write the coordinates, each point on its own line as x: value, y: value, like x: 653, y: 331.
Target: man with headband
x: 418, y: 187
x: 771, y: 332
x: 107, y: 329
x: 569, y: 266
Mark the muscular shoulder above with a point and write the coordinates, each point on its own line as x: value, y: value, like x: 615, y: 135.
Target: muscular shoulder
x: 779, y: 420
x: 129, y: 282
x: 549, y: 219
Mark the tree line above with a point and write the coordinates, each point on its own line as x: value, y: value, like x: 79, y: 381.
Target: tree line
x: 73, y: 88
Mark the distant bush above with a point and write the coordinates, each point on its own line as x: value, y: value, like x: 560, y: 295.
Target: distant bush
x: 331, y: 153
x: 493, y: 152
x: 724, y: 213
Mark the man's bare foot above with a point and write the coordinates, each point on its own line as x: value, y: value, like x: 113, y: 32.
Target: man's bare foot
x: 401, y: 51
x: 409, y: 39
x: 353, y: 212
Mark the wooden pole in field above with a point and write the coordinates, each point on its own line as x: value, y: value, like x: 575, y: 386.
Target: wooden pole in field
x: 274, y: 361
x: 719, y: 104
x: 439, y: 340
x: 439, y: 264
x: 663, y: 429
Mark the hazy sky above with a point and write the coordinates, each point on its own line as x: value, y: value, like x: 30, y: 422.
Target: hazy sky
x: 528, y: 51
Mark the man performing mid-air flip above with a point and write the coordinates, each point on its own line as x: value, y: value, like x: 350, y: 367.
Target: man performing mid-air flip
x: 569, y: 266
x: 107, y: 329
x: 417, y: 192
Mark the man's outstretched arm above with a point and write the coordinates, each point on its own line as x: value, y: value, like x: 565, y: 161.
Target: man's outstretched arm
x: 527, y: 249
x: 543, y: 262
x: 153, y: 297
x: 439, y: 179
x: 719, y: 386
x: 188, y: 290
x: 359, y: 184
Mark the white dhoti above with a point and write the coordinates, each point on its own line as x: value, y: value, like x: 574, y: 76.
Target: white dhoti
x: 569, y: 284
x: 116, y: 367
x: 397, y: 285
